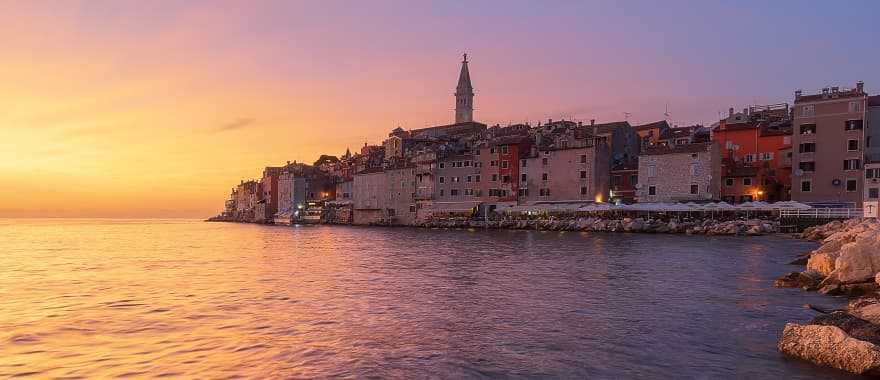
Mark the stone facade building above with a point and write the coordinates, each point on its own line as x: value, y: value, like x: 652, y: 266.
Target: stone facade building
x: 385, y: 196
x: 680, y: 173
x: 571, y: 166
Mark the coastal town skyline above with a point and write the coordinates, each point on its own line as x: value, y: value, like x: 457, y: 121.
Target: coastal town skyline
x: 135, y: 146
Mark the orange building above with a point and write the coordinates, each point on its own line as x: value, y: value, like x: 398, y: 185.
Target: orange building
x: 755, y: 150
x: 651, y: 133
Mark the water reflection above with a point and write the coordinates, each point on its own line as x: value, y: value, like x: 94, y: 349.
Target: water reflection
x: 104, y: 298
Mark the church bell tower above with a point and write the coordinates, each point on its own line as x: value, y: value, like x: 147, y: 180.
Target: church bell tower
x: 464, y: 95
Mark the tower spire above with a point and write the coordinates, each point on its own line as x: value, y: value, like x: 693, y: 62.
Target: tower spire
x: 464, y: 94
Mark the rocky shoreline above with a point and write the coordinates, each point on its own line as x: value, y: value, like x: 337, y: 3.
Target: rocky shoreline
x: 688, y: 226
x: 846, y: 264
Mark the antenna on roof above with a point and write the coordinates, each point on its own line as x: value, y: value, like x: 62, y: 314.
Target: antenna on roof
x: 626, y: 116
x: 666, y: 113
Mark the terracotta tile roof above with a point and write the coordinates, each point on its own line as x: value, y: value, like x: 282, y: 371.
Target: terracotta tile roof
x: 606, y: 128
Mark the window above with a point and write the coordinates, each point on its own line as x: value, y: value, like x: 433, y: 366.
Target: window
x: 504, y: 149
x: 505, y: 164
x: 694, y: 156
x: 750, y: 157
x: 544, y: 161
x: 468, y: 179
x: 807, y: 166
x: 652, y: 171
x: 855, y: 107
x: 633, y: 179
x: 583, y: 158
x: 874, y: 193
x: 492, y: 150
x: 544, y: 192
x: 523, y: 163
x: 808, y: 129
x: 477, y: 178
x: 467, y: 163
x: 694, y: 170
x: 583, y: 174
x: 852, y: 125
x: 852, y: 185
x: 453, y: 192
x: 468, y: 191
x: 442, y: 165
x: 806, y: 186
x: 583, y: 191
x: 767, y: 156
x: 652, y: 190
x: 505, y: 179
x: 523, y: 192
x: 852, y: 145
x: 522, y: 177
x: 493, y: 163
x: 872, y: 173
x: 494, y: 177
x: 808, y: 110
x: 728, y: 182
x: 695, y: 189
x: 615, y: 180
x: 441, y: 192
x: 852, y: 164
x: 807, y: 148
x: 747, y: 182
x: 442, y: 179
x: 543, y: 176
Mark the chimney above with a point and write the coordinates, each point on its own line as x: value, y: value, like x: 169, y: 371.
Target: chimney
x: 730, y: 111
x: 580, y: 124
x: 825, y: 92
x: 797, y: 94
x: 549, y: 121
x: 860, y: 86
x: 592, y: 122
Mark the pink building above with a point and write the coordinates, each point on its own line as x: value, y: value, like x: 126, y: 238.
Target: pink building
x: 828, y: 144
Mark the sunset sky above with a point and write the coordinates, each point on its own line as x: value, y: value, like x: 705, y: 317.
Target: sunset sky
x: 157, y: 108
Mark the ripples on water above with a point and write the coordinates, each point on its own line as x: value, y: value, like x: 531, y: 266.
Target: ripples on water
x: 104, y: 298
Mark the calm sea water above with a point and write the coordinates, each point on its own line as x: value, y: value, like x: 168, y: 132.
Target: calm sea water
x: 186, y: 299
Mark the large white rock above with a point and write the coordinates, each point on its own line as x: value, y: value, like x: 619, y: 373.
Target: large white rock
x: 859, y: 261
x: 830, y: 346
x: 825, y: 258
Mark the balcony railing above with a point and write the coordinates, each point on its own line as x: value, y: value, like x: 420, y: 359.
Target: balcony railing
x: 823, y: 213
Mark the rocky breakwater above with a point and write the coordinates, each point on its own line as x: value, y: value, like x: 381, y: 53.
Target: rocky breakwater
x: 635, y: 225
x: 847, y: 263
x: 848, y: 339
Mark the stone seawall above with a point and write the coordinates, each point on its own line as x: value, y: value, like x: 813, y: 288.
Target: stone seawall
x: 690, y: 226
x: 635, y: 225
